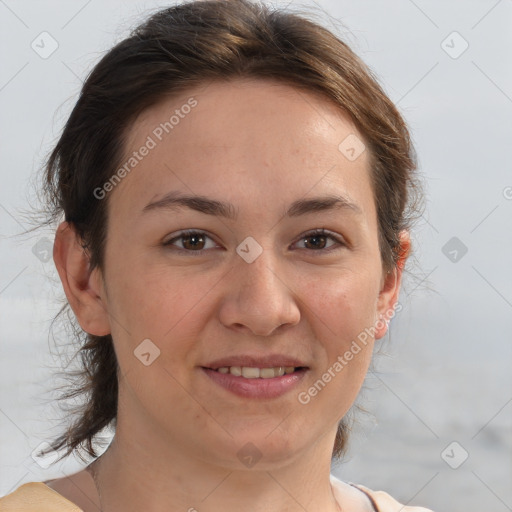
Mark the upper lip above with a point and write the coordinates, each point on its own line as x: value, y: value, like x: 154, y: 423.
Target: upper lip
x: 268, y: 361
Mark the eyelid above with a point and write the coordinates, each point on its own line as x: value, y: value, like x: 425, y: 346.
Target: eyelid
x: 340, y: 241
x: 323, y: 232
x: 183, y: 233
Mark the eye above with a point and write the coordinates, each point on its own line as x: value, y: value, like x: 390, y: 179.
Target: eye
x: 318, y: 239
x: 192, y: 241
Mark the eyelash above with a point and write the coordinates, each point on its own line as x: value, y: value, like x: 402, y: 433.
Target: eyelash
x: 316, y: 232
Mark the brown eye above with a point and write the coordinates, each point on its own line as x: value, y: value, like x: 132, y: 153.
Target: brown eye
x: 317, y: 241
x: 191, y: 241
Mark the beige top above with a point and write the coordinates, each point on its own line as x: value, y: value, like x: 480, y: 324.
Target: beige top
x: 38, y: 497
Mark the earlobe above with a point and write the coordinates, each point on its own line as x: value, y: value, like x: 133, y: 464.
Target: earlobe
x: 390, y: 290
x: 83, y: 287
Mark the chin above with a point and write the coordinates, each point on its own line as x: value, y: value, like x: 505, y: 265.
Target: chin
x: 265, y: 448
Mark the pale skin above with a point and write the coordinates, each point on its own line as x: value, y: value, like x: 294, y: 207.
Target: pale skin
x: 259, y: 145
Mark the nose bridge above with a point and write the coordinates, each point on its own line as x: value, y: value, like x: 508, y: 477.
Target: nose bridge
x: 259, y: 296
x: 260, y: 276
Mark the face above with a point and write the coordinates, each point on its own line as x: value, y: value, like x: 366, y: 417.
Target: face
x: 256, y: 285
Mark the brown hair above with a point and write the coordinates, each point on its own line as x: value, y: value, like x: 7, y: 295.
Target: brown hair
x: 175, y: 49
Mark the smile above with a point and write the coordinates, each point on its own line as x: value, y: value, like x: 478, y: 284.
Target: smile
x: 256, y: 373
x: 254, y: 382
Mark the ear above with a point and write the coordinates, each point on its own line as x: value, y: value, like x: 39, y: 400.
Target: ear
x: 390, y: 288
x: 83, y: 287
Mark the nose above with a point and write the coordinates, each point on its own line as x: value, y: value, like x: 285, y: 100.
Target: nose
x: 259, y: 296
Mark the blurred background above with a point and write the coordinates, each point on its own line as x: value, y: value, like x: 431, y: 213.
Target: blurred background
x: 438, y: 431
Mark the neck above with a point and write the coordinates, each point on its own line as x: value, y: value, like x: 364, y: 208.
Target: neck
x: 145, y: 468
x: 127, y: 477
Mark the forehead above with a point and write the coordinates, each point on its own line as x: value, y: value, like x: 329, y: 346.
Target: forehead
x: 245, y: 138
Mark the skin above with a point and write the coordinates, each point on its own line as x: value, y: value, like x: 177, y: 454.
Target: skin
x: 259, y: 145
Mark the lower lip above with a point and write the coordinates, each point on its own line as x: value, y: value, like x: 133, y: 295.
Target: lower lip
x: 256, y: 388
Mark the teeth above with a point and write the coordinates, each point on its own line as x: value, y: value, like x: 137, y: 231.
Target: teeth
x: 256, y: 373
x: 252, y: 373
x: 266, y: 373
x: 235, y: 370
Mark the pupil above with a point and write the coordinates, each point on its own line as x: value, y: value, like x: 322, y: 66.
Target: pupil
x: 316, y: 238
x: 193, y: 237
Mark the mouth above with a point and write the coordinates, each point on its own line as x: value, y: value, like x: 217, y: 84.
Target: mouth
x: 256, y: 377
x: 254, y: 372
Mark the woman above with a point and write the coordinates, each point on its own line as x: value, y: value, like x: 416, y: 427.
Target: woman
x: 236, y: 190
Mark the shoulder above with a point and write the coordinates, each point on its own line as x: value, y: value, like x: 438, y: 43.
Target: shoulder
x: 386, y: 503
x: 36, y: 497
x: 381, y: 500
x: 73, y: 493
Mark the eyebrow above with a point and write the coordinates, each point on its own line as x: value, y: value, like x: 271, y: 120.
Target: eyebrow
x: 175, y: 200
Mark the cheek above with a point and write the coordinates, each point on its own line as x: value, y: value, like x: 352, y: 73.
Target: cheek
x: 343, y: 305
x: 342, y: 311
x: 168, y: 309
x: 155, y: 299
